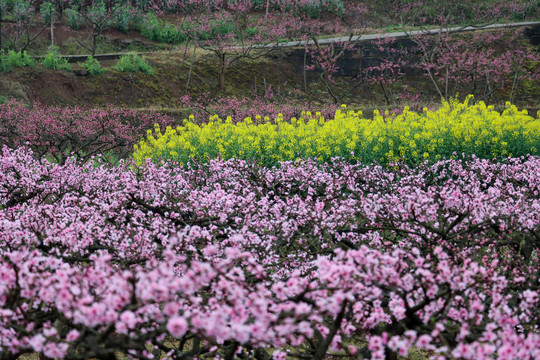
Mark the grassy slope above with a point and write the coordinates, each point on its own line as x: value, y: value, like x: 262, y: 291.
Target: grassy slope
x: 171, y: 71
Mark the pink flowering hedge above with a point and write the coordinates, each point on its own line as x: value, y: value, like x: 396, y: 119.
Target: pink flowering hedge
x: 61, y: 132
x: 301, y: 261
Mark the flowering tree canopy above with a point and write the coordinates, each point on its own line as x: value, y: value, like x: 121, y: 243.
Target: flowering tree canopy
x: 303, y: 260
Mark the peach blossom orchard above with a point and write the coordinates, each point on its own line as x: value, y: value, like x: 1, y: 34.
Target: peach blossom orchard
x: 233, y: 258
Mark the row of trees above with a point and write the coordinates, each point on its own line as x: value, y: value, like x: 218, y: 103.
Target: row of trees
x: 479, y: 64
x: 24, y: 21
x: 231, y: 260
x: 233, y: 30
x: 230, y: 29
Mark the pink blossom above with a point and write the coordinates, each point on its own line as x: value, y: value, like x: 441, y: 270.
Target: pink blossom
x: 177, y: 326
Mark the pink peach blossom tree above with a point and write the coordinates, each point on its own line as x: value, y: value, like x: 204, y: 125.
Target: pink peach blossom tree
x: 232, y: 260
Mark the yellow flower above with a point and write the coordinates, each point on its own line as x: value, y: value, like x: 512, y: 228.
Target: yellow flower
x: 454, y: 126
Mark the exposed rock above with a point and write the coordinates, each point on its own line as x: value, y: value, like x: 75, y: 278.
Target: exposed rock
x: 533, y: 34
x: 81, y: 72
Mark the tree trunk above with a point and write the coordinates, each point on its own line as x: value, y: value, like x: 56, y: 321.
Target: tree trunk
x: 37, y: 4
x: 52, y: 38
x: 94, y: 44
x: 190, y: 69
x: 304, y: 68
x: 222, y: 72
x: 109, y: 5
x: 1, y: 18
x: 384, y: 93
x: 222, y: 79
x: 1, y: 32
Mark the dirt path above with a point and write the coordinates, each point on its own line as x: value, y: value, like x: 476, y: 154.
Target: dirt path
x: 404, y: 34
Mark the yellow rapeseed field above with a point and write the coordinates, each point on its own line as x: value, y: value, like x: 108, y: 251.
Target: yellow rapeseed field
x: 454, y: 130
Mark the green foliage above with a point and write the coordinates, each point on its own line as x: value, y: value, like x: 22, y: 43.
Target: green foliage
x: 73, y: 18
x: 53, y: 61
x: 47, y: 12
x: 160, y: 31
x: 15, y: 59
x: 222, y: 28
x: 258, y: 4
x: 132, y: 63
x: 252, y: 31
x: 335, y: 6
x: 97, y: 13
x: 93, y: 66
x: 21, y: 11
x: 314, y: 8
x: 138, y: 22
x: 466, y: 12
x: 530, y: 10
x: 123, y: 17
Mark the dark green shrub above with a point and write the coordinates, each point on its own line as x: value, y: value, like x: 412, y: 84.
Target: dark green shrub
x: 15, y: 59
x: 73, y: 18
x: 160, y: 31
x: 93, y: 67
x: 133, y: 63
x: 123, y: 17
x: 47, y: 11
x: 53, y: 61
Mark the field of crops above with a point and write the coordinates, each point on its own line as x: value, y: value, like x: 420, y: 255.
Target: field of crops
x: 454, y: 130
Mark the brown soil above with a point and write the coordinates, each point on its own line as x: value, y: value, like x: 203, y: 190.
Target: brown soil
x: 163, y: 88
